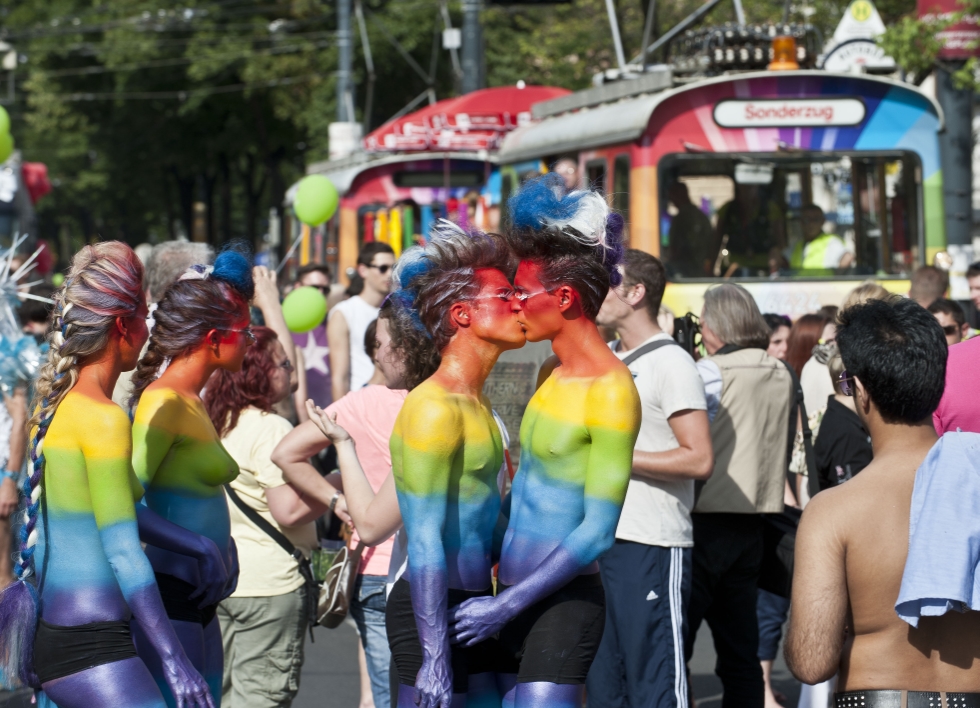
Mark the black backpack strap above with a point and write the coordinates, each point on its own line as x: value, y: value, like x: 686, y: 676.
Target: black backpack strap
x: 303, y: 565
x: 253, y: 516
x: 646, y: 349
x: 812, y: 482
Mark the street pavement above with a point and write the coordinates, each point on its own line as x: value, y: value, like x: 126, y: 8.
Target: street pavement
x: 330, y: 675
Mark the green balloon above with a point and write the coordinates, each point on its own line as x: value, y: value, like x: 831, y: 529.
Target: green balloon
x: 4, y: 120
x: 304, y: 309
x: 316, y: 200
x: 6, y: 146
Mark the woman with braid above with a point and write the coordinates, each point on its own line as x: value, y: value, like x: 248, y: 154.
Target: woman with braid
x: 201, y: 325
x: 80, y: 538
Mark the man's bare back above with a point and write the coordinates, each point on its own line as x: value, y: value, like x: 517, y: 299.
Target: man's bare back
x: 850, y: 556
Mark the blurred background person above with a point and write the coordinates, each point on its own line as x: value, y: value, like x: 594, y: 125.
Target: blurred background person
x: 951, y: 318
x: 973, y: 281
x: 312, y: 347
x: 691, y: 236
x: 815, y: 377
x: 567, y: 169
x: 34, y: 316
x: 263, y: 623
x: 350, y: 367
x: 843, y: 447
x: 929, y: 284
x: 803, y: 337
x: 749, y: 395
x: 647, y: 573
x: 779, y: 327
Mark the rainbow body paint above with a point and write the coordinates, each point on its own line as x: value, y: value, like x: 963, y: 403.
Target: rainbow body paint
x: 577, y: 441
x: 92, y: 566
x: 182, y: 465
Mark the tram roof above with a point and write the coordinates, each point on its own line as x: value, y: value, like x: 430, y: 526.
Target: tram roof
x: 342, y: 172
x: 624, y: 120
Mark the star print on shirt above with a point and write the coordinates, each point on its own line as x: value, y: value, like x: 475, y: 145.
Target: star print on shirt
x: 315, y: 356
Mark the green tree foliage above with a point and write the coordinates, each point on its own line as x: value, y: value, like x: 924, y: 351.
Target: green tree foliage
x: 144, y: 110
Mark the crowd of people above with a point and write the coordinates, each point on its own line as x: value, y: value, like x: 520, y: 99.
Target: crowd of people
x: 177, y: 420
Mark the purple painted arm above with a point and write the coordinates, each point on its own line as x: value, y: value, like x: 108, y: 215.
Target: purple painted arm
x: 479, y: 618
x: 187, y: 685
x: 215, y: 578
x: 430, y: 596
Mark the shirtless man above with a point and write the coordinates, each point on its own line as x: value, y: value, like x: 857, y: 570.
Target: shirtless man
x: 577, y: 441
x: 446, y: 452
x: 853, y: 540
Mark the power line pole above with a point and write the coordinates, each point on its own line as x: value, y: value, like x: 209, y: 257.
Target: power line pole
x: 345, y: 101
x: 472, y: 46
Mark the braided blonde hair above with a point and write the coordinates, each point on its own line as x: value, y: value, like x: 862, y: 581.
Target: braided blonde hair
x: 105, y: 282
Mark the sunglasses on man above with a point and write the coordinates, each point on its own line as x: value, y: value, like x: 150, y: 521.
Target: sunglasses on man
x: 384, y: 268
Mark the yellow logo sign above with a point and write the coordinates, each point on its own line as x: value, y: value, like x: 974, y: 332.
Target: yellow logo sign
x: 861, y: 10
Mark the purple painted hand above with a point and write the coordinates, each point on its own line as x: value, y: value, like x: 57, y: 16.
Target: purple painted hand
x: 214, y: 575
x: 434, y: 683
x: 477, y: 619
x: 188, y: 686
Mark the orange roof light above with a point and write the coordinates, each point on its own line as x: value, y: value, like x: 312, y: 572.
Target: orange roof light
x: 783, y: 54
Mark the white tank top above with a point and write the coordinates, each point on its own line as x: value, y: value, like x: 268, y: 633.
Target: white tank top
x: 358, y: 314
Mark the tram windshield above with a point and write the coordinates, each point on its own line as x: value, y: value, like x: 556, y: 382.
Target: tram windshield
x: 790, y: 214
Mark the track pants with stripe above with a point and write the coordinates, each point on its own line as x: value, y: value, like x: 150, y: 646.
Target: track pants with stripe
x: 640, y: 663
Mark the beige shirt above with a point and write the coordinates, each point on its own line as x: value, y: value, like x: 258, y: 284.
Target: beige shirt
x: 266, y: 569
x: 749, y: 434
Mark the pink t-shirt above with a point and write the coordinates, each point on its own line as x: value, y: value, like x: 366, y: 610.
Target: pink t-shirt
x: 959, y: 407
x: 369, y: 414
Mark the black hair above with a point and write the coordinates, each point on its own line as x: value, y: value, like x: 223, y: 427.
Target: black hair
x: 973, y: 270
x: 371, y: 339
x: 314, y: 268
x: 35, y: 310
x: 898, y: 351
x: 949, y: 307
x: 640, y: 267
x: 774, y: 321
x: 369, y: 250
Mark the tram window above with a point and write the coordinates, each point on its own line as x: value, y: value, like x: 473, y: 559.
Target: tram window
x: 819, y: 214
x: 621, y: 186
x: 437, y: 179
x: 595, y: 172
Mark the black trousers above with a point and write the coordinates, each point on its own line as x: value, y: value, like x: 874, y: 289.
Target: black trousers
x: 725, y: 573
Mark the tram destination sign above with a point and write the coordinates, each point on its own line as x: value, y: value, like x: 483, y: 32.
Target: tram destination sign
x: 789, y: 113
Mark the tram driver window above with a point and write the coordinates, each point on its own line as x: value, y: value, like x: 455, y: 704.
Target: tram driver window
x: 789, y: 215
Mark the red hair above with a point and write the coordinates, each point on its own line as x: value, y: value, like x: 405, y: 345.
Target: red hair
x: 803, y: 337
x: 228, y: 394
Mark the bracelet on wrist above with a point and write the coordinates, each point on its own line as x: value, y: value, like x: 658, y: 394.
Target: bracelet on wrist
x: 333, y: 501
x: 7, y: 474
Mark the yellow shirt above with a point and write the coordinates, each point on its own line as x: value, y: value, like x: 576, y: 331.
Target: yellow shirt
x: 266, y: 569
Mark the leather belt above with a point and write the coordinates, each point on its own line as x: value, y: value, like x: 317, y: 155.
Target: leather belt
x: 906, y: 699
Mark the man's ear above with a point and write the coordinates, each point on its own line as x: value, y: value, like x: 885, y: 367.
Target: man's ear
x: 459, y: 313
x: 636, y: 294
x: 566, y: 297
x: 861, y: 397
